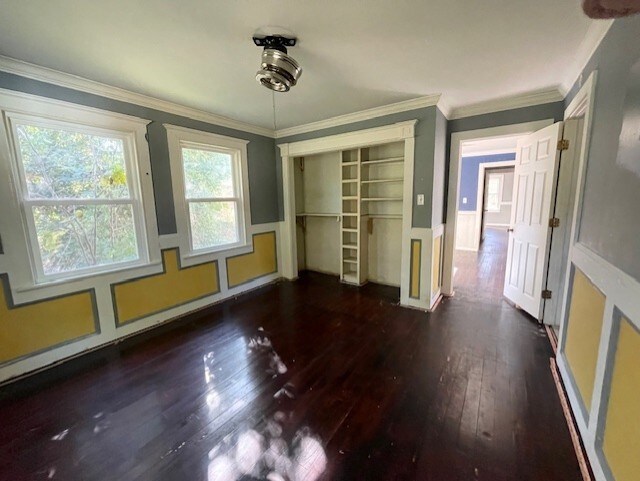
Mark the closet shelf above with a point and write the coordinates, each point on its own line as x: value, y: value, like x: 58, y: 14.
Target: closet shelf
x: 391, y: 160
x: 350, y: 246
x: 347, y: 164
x: 349, y: 230
x: 349, y: 213
x: 381, y: 181
x: 349, y: 181
x: 350, y: 260
x: 318, y: 214
x: 385, y: 216
x: 350, y: 197
x: 381, y: 199
x: 350, y: 278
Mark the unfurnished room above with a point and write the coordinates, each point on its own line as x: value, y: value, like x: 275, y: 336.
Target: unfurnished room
x: 320, y: 241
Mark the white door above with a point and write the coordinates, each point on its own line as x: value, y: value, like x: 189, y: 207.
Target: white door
x: 535, y: 173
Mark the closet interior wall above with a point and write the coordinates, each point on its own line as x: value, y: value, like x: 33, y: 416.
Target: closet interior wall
x: 317, y: 182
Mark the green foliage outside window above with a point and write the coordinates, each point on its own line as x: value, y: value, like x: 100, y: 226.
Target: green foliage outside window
x: 209, y: 178
x: 65, y: 169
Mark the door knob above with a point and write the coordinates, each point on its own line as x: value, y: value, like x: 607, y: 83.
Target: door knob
x: 509, y: 229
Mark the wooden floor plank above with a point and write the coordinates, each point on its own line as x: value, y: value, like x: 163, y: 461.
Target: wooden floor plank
x: 385, y: 392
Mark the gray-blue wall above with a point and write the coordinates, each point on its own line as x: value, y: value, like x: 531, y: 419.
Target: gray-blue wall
x: 469, y: 177
x: 263, y: 176
x: 553, y: 110
x: 424, y: 153
x: 610, y: 224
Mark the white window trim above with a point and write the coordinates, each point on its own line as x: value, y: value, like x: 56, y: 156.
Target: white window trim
x: 176, y: 136
x: 25, y: 270
x: 500, y: 178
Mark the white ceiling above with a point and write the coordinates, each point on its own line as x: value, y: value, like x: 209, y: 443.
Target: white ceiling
x: 356, y: 54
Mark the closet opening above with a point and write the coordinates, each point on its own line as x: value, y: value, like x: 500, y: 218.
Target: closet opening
x: 349, y: 214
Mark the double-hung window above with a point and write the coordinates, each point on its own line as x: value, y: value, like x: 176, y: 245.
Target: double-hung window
x: 78, y: 189
x: 209, y: 176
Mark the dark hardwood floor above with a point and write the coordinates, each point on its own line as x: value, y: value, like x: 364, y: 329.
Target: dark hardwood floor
x: 480, y: 275
x: 312, y: 380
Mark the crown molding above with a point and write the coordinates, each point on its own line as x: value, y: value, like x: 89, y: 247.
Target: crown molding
x: 55, y: 77
x: 413, y: 104
x: 595, y: 33
x: 444, y: 107
x: 508, y: 103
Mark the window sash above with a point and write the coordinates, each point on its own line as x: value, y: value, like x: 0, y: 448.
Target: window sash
x: 213, y: 199
x: 238, y: 227
x: 493, y: 203
x: 27, y: 203
x: 66, y: 201
x: 237, y: 199
x: 36, y: 253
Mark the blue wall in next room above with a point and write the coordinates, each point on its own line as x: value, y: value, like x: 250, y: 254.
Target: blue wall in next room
x: 469, y: 177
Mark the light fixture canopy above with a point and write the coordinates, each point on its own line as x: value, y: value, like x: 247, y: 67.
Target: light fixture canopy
x: 278, y: 70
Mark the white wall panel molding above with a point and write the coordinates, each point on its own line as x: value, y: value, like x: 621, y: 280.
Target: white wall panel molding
x: 426, y: 236
x: 109, y: 333
x: 621, y: 293
x: 465, y: 231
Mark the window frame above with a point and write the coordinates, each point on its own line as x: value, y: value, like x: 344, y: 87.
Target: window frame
x: 24, y: 109
x: 181, y: 137
x: 500, y: 178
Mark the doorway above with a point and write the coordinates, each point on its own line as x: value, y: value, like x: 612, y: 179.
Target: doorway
x: 542, y: 193
x: 483, y: 217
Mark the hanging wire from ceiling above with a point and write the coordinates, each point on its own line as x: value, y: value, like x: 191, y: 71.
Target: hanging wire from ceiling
x: 273, y: 103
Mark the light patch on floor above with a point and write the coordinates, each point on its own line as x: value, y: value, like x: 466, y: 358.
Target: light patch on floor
x: 263, y: 453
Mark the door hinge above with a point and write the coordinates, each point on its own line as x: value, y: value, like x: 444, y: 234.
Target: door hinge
x: 563, y: 144
x: 546, y: 294
x: 554, y: 222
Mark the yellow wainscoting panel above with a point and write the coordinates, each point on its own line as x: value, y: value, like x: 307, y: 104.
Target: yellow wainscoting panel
x: 586, y: 311
x: 435, y: 265
x: 621, y: 443
x: 262, y: 261
x: 416, y: 260
x: 38, y: 326
x: 142, y: 297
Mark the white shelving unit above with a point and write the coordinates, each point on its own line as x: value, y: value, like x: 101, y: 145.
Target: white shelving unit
x: 372, y: 182
x: 350, y: 245
x: 381, y: 200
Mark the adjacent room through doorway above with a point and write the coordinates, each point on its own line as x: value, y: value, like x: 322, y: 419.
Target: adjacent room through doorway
x: 484, y: 215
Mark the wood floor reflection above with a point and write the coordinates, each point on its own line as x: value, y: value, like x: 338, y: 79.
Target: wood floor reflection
x: 343, y: 382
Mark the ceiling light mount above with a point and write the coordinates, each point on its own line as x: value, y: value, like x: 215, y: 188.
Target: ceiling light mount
x: 278, y: 70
